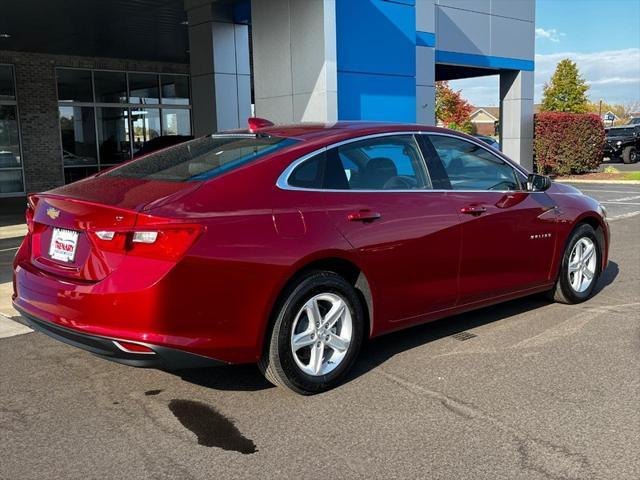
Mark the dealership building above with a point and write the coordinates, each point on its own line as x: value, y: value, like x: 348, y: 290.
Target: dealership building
x: 87, y: 84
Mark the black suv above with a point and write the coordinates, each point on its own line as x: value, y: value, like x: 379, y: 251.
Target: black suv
x: 623, y: 142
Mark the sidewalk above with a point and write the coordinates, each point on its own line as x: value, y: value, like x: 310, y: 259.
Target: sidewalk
x: 12, y: 230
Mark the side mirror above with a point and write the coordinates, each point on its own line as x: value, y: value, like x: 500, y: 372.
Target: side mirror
x: 538, y: 183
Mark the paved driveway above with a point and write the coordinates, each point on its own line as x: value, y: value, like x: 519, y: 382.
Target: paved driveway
x: 529, y: 390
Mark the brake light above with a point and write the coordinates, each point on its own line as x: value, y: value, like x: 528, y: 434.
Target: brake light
x: 256, y: 124
x: 168, y: 242
x: 30, y: 212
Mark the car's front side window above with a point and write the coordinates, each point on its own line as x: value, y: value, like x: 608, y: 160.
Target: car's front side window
x: 380, y: 163
x: 472, y: 167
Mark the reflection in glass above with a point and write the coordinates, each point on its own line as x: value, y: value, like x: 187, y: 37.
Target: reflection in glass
x: 9, y: 138
x: 11, y: 181
x: 175, y: 89
x: 7, y: 91
x: 176, y: 122
x: 111, y: 87
x: 113, y: 135
x: 78, y: 133
x: 74, y: 85
x: 73, y: 174
x: 143, y: 88
x: 146, y: 126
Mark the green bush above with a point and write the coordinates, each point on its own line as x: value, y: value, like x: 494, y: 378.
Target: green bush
x: 567, y: 143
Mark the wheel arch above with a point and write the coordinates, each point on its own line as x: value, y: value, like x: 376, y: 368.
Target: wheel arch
x: 335, y: 262
x: 595, y: 221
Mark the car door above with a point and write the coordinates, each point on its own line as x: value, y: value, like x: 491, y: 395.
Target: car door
x: 378, y: 195
x: 508, y: 233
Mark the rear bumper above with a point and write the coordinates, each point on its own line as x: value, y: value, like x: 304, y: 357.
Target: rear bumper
x: 163, y: 358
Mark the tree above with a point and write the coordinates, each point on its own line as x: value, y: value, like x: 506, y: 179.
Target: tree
x: 622, y: 110
x: 451, y: 109
x: 567, y: 90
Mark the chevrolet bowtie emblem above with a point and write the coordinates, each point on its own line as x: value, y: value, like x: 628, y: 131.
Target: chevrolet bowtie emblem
x: 53, y: 213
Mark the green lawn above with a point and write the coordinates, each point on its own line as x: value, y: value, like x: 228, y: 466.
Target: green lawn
x: 632, y: 175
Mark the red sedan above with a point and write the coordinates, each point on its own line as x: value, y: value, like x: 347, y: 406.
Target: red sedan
x: 289, y: 246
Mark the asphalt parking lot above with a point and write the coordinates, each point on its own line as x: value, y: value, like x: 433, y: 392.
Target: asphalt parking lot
x: 530, y: 390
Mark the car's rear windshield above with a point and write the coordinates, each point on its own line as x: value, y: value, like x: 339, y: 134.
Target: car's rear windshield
x: 620, y: 132
x: 202, y: 158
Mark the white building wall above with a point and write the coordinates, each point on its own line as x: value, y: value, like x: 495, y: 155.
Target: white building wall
x: 294, y: 60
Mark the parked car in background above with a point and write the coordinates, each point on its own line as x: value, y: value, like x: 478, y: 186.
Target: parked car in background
x: 492, y: 142
x: 622, y: 142
x: 289, y: 246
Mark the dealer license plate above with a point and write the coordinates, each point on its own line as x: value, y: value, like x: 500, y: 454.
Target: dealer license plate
x: 63, y: 245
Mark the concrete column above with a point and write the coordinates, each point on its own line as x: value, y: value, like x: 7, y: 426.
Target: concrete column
x: 220, y: 73
x: 425, y: 61
x: 516, y: 116
x: 294, y: 60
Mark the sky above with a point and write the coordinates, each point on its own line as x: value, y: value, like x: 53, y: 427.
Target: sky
x: 601, y: 36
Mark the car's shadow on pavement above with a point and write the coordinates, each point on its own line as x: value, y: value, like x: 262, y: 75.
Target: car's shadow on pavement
x: 377, y: 351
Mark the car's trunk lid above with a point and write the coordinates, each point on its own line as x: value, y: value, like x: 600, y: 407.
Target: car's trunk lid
x: 67, y: 220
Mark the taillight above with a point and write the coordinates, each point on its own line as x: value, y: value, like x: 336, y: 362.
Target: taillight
x: 167, y: 242
x: 30, y: 212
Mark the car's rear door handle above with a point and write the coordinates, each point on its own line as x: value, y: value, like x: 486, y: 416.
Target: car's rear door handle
x: 363, y: 216
x: 473, y: 210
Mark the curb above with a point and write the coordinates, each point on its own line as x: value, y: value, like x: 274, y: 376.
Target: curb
x: 605, y: 182
x: 12, y: 326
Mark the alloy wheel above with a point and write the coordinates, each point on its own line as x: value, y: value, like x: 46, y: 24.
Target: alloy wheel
x: 582, y: 265
x: 321, y: 334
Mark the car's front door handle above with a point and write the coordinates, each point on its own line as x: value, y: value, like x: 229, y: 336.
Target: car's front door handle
x: 363, y: 216
x: 473, y: 210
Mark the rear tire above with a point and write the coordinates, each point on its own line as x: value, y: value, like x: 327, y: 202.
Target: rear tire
x: 630, y: 155
x: 573, y: 284
x: 305, y: 351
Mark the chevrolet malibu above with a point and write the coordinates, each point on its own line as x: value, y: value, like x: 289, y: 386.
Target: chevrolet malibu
x: 289, y: 246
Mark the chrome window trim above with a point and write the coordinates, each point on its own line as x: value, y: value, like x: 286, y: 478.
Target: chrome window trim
x: 283, y: 180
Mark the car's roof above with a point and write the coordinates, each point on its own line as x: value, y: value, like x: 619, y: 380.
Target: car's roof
x: 333, y: 132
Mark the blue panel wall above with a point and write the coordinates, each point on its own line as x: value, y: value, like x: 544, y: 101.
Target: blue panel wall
x: 376, y: 59
x: 367, y: 96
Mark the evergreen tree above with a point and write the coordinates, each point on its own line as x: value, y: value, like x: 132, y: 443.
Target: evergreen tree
x: 567, y: 90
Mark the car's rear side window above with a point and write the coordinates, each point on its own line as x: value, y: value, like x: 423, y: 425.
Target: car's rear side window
x: 380, y: 163
x: 202, y: 158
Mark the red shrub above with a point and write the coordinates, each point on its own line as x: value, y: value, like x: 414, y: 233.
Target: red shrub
x: 567, y: 143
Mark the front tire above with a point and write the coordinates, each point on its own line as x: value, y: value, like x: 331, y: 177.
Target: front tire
x: 316, y: 335
x: 580, y: 268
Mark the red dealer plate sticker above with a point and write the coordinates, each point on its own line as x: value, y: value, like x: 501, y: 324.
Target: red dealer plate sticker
x: 63, y: 245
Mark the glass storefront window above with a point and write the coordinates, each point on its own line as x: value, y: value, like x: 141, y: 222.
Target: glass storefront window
x: 175, y: 89
x: 129, y: 113
x: 146, y: 126
x: 111, y: 87
x: 74, y: 85
x: 176, y: 121
x: 9, y: 137
x: 11, y: 178
x: 78, y: 132
x: 113, y: 135
x: 11, y: 181
x: 143, y: 88
x: 7, y: 90
x: 73, y: 174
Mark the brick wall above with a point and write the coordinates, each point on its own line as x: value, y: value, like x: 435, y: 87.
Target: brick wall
x: 38, y: 107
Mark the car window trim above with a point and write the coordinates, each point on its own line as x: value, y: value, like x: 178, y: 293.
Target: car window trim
x: 282, y: 182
